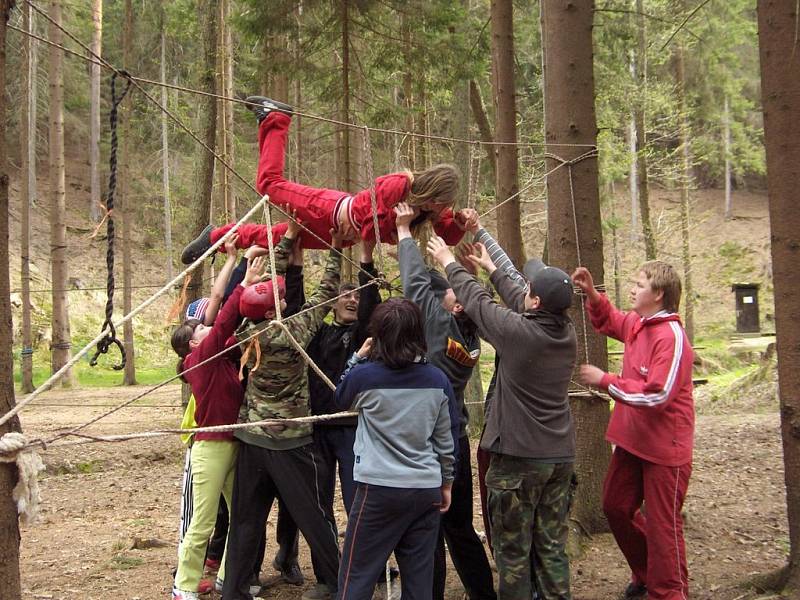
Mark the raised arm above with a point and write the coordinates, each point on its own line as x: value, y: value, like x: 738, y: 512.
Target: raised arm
x: 499, y: 257
x: 413, y: 272
x: 218, y: 295
x: 605, y: 317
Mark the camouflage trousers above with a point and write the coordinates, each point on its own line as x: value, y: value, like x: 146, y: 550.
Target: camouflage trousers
x: 529, y: 504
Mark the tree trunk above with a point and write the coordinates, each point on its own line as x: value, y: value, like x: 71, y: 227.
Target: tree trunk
x: 509, y: 234
x: 94, y: 113
x: 780, y: 89
x: 686, y: 180
x: 127, y: 202
x: 408, y: 81
x: 570, y: 119
x: 643, y: 187
x: 726, y: 140
x: 207, y: 107
x: 165, y: 147
x: 9, y: 521
x: 633, y: 179
x: 482, y: 121
x: 346, y: 167
x: 28, y: 190
x: 61, y: 343
x: 224, y: 112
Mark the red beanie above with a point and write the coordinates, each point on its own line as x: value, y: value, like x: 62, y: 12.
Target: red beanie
x: 257, y: 299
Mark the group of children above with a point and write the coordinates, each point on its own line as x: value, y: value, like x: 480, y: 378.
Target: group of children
x: 402, y: 364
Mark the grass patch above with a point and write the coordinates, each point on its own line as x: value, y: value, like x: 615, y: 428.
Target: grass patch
x: 123, y: 562
x: 97, y: 377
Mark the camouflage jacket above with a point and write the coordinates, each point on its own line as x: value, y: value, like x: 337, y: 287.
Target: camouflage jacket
x: 278, y: 388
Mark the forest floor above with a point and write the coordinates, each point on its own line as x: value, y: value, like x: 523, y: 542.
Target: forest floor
x: 98, y: 499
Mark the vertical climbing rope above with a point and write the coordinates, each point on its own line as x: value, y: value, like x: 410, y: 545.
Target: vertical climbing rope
x: 111, y: 337
x: 372, y: 196
x: 580, y: 262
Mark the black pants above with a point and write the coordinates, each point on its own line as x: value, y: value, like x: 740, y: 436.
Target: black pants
x: 297, y: 475
x: 466, y: 550
x: 383, y: 520
x: 286, y: 535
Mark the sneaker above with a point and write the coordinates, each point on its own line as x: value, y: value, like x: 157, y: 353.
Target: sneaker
x: 290, y: 573
x: 197, y: 246
x: 262, y: 106
x: 634, y: 591
x: 184, y: 595
x: 255, y: 589
x: 319, y: 591
x: 212, y: 564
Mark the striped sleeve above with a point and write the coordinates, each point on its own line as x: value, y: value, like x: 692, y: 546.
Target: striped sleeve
x: 499, y: 257
x: 659, y: 387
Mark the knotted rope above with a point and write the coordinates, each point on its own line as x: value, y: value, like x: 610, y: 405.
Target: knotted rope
x: 14, y: 447
x: 111, y: 337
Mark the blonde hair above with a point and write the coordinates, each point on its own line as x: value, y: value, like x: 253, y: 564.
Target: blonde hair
x: 663, y: 278
x: 437, y: 184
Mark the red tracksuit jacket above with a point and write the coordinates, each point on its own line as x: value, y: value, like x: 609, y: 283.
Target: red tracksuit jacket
x: 653, y: 416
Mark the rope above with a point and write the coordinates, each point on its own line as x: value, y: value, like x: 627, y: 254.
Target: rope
x: 372, y: 196
x: 108, y: 325
x: 15, y: 448
x: 298, y: 113
x: 198, y: 365
x: 60, y: 373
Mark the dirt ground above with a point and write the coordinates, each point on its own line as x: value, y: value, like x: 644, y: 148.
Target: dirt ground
x: 98, y: 498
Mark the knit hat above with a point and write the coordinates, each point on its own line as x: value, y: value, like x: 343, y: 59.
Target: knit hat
x: 257, y: 299
x: 552, y: 285
x: 439, y: 283
x: 197, y: 309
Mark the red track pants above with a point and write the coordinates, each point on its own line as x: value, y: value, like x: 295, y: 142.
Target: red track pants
x: 653, y: 544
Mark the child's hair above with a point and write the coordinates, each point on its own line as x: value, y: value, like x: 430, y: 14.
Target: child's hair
x: 438, y: 184
x: 181, y: 336
x: 663, y: 278
x: 398, y: 338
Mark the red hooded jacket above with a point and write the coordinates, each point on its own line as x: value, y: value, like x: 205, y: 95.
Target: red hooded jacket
x: 390, y: 190
x: 653, y: 416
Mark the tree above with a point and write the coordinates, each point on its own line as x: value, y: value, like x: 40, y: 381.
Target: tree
x: 165, y: 145
x: 780, y: 91
x: 225, y: 110
x: 127, y: 202
x: 570, y: 119
x: 28, y: 191
x: 207, y: 117
x: 685, y: 182
x: 9, y: 521
x: 509, y: 234
x: 94, y: 112
x: 642, y: 184
x: 61, y: 343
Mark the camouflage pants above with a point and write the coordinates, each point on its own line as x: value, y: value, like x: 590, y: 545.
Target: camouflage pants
x: 529, y: 503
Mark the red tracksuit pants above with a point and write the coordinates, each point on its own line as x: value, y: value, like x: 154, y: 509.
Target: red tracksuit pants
x: 652, y: 541
x: 314, y: 207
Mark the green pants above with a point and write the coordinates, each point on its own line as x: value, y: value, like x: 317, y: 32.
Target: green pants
x: 529, y: 504
x: 213, y: 467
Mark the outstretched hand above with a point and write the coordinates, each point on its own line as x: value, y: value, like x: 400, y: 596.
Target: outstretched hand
x: 440, y: 252
x: 480, y: 258
x: 468, y: 220
x: 294, y: 227
x: 255, y: 270
x: 405, y: 214
x: 365, y: 349
x: 230, y: 245
x: 462, y: 252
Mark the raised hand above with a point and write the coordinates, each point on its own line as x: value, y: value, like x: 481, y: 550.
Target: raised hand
x: 462, y: 252
x: 255, y: 270
x: 294, y: 228
x: 582, y: 277
x: 480, y: 258
x: 365, y: 349
x: 590, y: 375
x: 439, y: 251
x: 405, y: 214
x: 468, y: 220
x: 230, y: 245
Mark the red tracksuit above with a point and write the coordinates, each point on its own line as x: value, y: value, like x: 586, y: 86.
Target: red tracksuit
x: 316, y: 207
x: 652, y: 426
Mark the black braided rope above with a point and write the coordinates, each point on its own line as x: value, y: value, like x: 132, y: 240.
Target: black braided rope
x: 111, y: 337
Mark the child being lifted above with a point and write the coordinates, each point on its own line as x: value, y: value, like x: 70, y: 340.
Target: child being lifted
x: 433, y: 191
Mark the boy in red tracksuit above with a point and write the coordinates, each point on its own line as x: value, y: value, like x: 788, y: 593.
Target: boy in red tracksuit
x: 433, y: 191
x: 652, y: 427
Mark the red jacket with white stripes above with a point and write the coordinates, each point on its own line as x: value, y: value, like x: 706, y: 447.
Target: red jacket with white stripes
x: 653, y: 415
